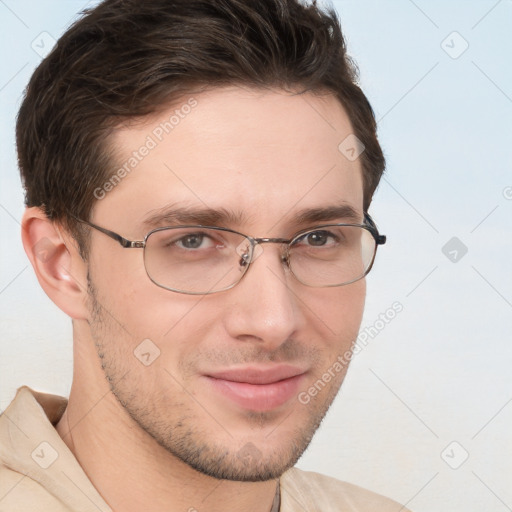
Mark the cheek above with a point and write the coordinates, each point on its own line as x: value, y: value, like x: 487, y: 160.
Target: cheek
x: 166, y: 316
x: 133, y: 301
x: 337, y: 313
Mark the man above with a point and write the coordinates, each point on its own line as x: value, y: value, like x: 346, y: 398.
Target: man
x: 197, y: 175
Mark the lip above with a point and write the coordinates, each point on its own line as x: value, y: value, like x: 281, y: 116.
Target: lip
x: 258, y: 388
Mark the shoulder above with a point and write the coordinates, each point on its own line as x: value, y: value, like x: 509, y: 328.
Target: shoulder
x: 20, y: 493
x: 38, y: 472
x: 315, y: 492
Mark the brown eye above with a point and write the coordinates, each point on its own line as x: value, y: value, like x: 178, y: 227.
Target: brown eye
x: 318, y: 238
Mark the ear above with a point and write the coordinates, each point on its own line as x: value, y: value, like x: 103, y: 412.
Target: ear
x: 59, y: 268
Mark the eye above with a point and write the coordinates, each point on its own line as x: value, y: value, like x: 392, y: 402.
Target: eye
x: 195, y: 241
x: 318, y: 238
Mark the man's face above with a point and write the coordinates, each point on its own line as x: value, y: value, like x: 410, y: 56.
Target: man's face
x: 222, y: 394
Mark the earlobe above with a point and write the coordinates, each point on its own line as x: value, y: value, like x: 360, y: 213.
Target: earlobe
x: 59, y: 268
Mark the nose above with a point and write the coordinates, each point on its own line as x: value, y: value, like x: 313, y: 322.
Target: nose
x: 264, y: 307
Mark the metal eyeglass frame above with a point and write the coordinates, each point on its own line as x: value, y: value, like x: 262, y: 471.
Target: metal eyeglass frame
x: 368, y: 224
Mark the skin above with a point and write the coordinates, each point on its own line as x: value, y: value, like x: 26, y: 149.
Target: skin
x: 159, y: 437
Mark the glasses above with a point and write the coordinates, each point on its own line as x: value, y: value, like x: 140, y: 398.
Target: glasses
x: 200, y: 260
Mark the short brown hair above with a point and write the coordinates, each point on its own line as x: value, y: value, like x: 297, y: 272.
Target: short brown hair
x: 128, y: 58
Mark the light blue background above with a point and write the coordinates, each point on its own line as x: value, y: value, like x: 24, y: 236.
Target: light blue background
x: 441, y: 370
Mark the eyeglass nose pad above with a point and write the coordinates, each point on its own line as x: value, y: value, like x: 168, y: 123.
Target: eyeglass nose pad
x: 285, y: 257
x: 244, y: 250
x: 245, y: 259
x: 248, y: 252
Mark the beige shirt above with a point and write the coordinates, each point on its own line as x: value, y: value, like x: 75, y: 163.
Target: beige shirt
x: 38, y: 472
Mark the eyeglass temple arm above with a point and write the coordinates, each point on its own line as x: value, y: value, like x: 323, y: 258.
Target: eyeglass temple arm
x: 379, y: 239
x: 131, y: 244
x: 124, y: 242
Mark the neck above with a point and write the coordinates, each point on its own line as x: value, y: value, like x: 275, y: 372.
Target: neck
x: 128, y: 467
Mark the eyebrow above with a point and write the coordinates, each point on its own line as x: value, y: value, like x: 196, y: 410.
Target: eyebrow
x: 343, y: 212
x: 172, y: 215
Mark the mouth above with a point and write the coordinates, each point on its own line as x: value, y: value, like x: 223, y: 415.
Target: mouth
x: 258, y: 388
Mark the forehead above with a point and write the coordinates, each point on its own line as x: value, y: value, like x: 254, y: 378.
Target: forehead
x: 262, y: 155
